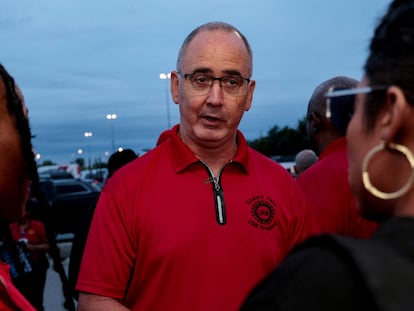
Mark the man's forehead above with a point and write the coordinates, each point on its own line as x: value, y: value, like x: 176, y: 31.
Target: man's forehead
x: 222, y: 48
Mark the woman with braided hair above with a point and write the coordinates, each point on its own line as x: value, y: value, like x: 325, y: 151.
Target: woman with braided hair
x: 17, y: 170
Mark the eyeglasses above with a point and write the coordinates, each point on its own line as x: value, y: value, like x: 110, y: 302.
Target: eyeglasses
x: 202, y: 83
x: 340, y: 103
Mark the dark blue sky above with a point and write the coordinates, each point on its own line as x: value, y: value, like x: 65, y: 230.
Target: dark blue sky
x: 76, y: 61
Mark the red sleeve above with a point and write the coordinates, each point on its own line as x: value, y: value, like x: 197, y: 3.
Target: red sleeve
x: 109, y: 255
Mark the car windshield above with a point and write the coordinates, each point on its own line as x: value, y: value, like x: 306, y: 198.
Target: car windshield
x: 61, y: 189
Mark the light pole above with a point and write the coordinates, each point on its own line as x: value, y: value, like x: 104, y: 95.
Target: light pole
x: 111, y: 117
x: 167, y: 76
x: 88, y: 135
x: 79, y: 154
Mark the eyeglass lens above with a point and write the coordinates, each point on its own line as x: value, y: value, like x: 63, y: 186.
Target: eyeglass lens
x: 231, y: 85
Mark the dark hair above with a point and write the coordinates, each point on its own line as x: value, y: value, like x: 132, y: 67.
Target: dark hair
x: 15, y: 106
x: 212, y: 26
x: 32, y: 204
x: 119, y: 159
x: 391, y: 57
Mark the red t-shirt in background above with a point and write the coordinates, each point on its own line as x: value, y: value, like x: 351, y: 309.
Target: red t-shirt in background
x: 326, y: 188
x: 35, y: 233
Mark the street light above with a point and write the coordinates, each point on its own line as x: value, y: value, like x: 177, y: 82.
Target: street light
x: 167, y: 76
x: 88, y: 135
x: 111, y: 117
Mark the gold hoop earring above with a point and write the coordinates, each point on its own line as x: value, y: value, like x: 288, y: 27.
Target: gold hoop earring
x: 365, y: 176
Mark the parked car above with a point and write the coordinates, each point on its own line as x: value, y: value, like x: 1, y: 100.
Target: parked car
x: 56, y: 175
x: 66, y: 200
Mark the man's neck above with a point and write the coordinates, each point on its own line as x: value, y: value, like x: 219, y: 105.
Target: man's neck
x: 326, y: 140
x: 216, y: 160
x: 214, y: 156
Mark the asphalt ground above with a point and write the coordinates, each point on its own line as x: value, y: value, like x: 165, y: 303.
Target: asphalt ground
x: 53, y: 294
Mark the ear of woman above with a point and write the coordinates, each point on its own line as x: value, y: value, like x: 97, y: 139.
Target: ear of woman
x: 398, y: 114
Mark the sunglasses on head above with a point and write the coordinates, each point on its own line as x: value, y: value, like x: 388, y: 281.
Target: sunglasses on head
x: 340, y: 104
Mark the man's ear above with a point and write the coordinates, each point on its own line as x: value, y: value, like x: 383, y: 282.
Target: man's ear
x: 395, y: 114
x: 249, y: 100
x: 174, y: 83
x: 316, y: 122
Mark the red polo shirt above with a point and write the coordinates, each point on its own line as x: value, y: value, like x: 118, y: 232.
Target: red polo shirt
x: 165, y: 237
x: 325, y: 185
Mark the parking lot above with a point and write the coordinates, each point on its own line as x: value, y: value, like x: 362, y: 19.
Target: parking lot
x: 53, y: 295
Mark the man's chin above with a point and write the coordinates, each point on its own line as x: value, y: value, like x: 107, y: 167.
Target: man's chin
x: 210, y: 134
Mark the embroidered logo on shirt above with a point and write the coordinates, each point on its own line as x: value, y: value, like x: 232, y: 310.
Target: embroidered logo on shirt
x: 262, y: 212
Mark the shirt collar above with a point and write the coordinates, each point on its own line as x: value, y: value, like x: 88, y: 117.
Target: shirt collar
x: 182, y: 157
x: 338, y: 145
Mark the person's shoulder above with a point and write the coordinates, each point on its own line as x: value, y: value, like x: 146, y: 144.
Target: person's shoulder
x: 131, y: 173
x: 335, y: 154
x: 311, y: 271
x: 321, y: 257
x: 36, y: 223
x: 325, y: 170
x: 315, y: 257
x: 257, y: 155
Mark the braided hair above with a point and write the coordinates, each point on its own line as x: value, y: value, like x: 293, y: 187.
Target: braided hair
x: 15, y: 106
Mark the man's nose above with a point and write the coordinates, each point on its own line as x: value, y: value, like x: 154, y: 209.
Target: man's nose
x: 215, y: 94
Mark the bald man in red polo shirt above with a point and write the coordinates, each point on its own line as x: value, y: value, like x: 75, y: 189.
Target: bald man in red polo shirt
x: 325, y: 184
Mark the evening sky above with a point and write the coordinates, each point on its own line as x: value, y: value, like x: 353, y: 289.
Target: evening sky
x: 76, y: 61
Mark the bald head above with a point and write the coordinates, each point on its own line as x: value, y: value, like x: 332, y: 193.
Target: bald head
x: 303, y: 160
x: 321, y: 130
x: 318, y: 99
x: 214, y: 26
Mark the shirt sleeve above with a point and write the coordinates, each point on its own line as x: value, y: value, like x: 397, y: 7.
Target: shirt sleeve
x: 109, y: 254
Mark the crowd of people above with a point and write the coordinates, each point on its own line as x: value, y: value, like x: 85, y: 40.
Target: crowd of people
x: 205, y: 222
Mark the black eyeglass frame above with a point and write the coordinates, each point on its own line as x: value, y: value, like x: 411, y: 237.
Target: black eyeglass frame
x: 186, y: 75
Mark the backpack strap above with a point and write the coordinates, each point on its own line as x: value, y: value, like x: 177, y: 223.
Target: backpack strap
x: 388, y: 275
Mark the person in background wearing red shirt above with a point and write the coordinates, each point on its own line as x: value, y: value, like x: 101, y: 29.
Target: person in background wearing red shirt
x: 33, y: 233
x: 325, y: 183
x: 17, y: 169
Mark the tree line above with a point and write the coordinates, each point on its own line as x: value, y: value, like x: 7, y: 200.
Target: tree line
x: 283, y: 142
x: 278, y: 142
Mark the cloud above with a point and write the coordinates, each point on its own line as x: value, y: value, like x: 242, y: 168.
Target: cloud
x: 77, y: 60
